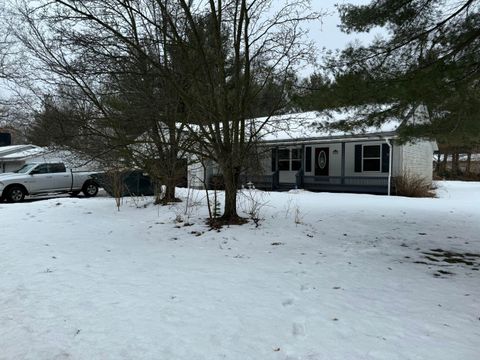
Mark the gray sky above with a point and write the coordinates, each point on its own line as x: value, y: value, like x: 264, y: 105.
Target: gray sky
x: 326, y: 34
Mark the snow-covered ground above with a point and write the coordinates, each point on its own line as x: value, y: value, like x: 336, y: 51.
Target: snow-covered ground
x: 324, y: 276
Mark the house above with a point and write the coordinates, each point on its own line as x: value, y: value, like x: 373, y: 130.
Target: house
x: 13, y: 157
x: 301, y: 151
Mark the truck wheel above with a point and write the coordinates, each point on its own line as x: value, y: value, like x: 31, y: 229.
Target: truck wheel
x: 15, y: 194
x: 90, y: 189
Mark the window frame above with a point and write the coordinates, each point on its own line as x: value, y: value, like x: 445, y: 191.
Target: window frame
x: 291, y: 160
x: 379, y: 158
x: 297, y: 159
x: 282, y: 159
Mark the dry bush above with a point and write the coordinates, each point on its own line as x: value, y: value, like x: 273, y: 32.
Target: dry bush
x: 252, y: 202
x: 412, y: 185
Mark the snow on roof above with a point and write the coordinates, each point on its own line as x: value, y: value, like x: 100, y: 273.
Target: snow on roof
x: 14, y: 152
x: 35, y: 154
x: 316, y: 125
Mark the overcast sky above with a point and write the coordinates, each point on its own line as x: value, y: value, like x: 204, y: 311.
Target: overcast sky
x: 326, y: 34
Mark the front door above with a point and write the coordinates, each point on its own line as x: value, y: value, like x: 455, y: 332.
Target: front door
x: 321, y: 161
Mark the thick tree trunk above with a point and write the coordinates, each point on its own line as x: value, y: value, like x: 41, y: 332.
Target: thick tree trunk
x: 231, y: 177
x: 230, y: 209
x: 231, y: 186
x: 169, y: 195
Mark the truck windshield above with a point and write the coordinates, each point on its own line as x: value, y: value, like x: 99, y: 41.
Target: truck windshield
x: 25, y: 168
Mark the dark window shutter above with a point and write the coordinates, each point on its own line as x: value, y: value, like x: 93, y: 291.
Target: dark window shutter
x: 5, y: 139
x: 274, y: 160
x: 385, y: 157
x: 308, y: 159
x: 358, y: 158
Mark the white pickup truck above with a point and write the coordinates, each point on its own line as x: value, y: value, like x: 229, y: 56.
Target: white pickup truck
x: 41, y: 178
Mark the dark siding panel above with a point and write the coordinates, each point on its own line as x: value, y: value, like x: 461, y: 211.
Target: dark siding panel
x: 308, y: 159
x: 5, y: 139
x: 358, y: 158
x: 385, y: 158
x: 274, y: 160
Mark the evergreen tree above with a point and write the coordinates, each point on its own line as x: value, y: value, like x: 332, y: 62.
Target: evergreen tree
x: 430, y: 59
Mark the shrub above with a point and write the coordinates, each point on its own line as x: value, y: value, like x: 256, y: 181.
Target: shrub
x: 412, y: 185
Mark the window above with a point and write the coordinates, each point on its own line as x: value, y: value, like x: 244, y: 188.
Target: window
x: 25, y: 168
x: 372, y: 158
x: 57, y: 168
x: 284, y: 159
x: 289, y: 159
x: 41, y: 169
x: 296, y: 159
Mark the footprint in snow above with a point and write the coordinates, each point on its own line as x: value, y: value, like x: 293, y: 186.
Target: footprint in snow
x: 298, y: 328
x: 287, y: 302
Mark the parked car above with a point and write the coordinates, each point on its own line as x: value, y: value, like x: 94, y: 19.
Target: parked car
x: 125, y: 183
x: 43, y: 178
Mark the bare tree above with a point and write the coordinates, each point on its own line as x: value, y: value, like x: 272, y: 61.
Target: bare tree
x: 217, y: 57
x: 110, y: 101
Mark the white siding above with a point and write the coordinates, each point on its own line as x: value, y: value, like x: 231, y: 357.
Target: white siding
x: 417, y: 159
x: 350, y: 159
x: 195, y: 175
x: 11, y: 166
x: 334, y: 158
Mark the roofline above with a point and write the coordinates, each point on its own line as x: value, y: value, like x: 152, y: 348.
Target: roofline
x: 330, y: 139
x: 13, y: 159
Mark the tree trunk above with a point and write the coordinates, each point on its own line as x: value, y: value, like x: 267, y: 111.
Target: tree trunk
x: 454, y: 164
x: 169, y: 195
x: 231, y: 187
x: 457, y: 163
x: 438, y: 165
x: 231, y: 176
x: 172, y: 168
x: 469, y: 162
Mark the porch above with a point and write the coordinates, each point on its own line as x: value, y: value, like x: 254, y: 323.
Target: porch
x: 354, y: 184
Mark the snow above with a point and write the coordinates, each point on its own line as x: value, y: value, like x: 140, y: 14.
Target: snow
x: 19, y: 151
x: 317, y: 125
x: 34, y: 154
x: 324, y: 276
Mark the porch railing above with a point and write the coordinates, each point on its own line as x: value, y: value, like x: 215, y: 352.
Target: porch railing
x: 372, y: 184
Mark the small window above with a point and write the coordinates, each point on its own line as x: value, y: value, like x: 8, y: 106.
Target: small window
x: 284, y: 165
x: 296, y: 153
x: 41, y: 169
x: 290, y: 159
x: 296, y: 159
x: 372, y: 159
x: 284, y: 159
x: 57, y: 168
x: 284, y: 154
x: 296, y: 165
